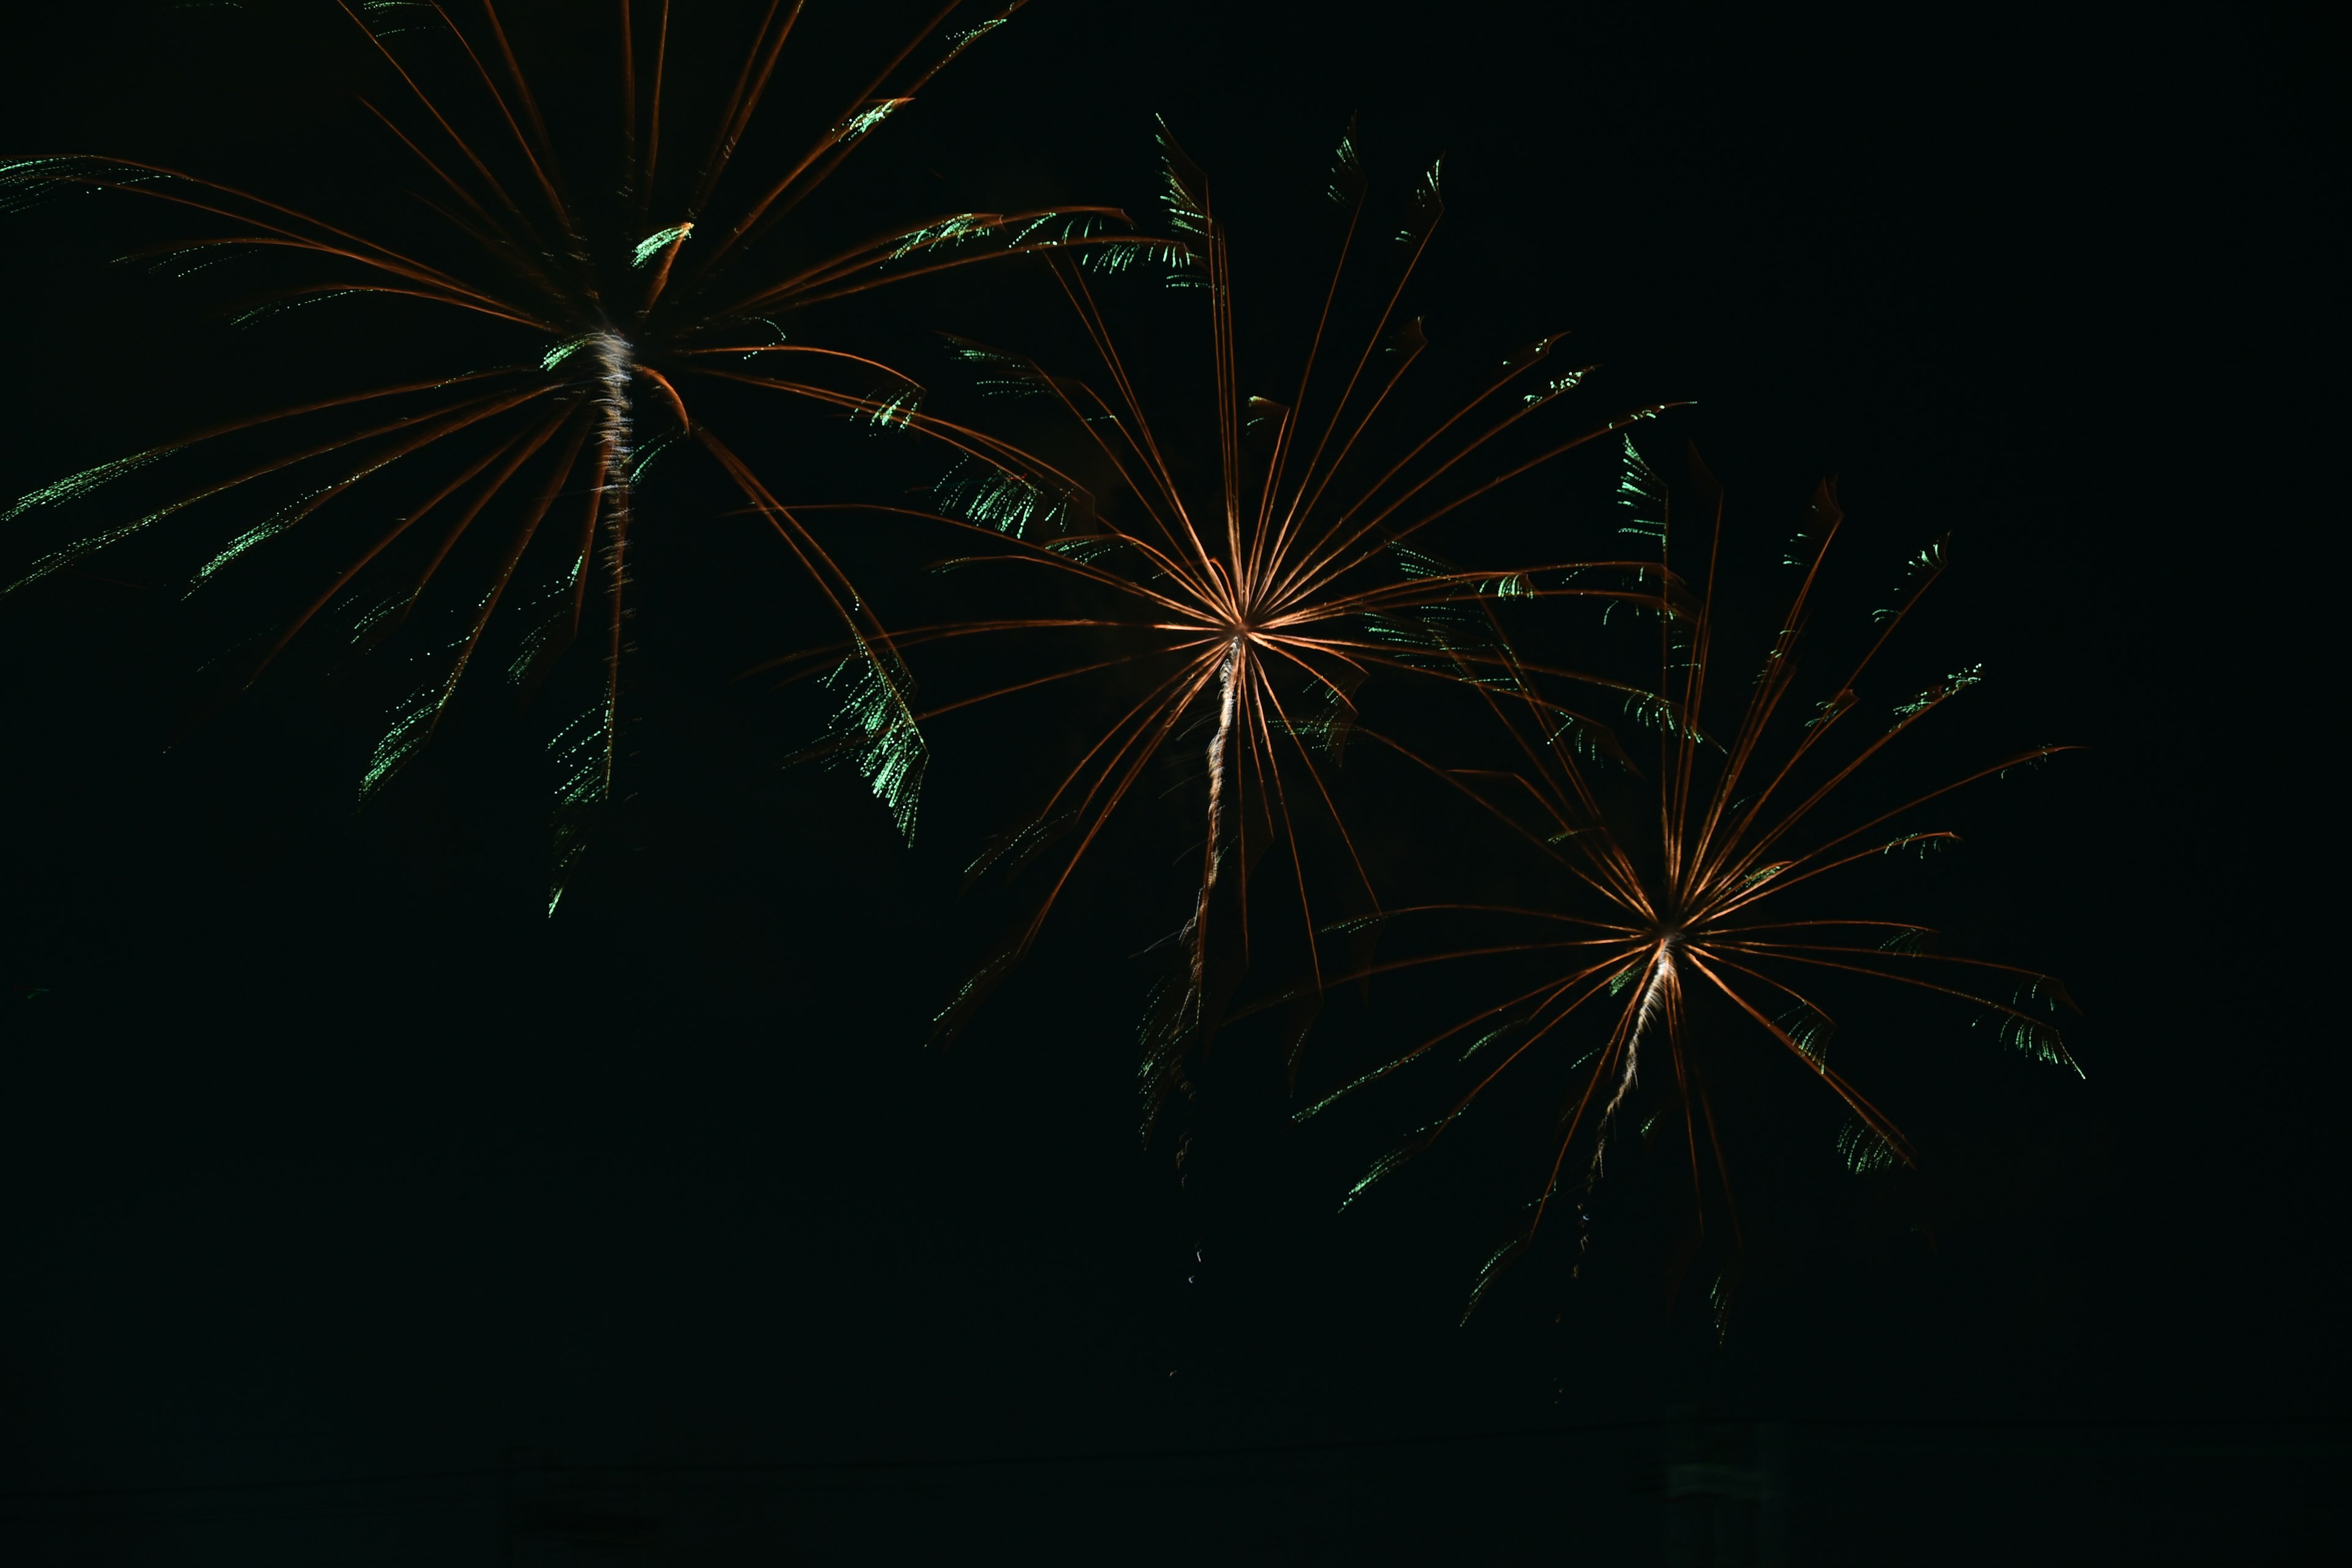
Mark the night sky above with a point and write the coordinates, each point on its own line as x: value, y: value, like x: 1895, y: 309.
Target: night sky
x: 355, y: 1212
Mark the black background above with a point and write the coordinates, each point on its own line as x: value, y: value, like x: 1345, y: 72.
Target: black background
x: 327, y: 1156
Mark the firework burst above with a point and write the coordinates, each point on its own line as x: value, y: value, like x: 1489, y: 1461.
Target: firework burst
x: 1251, y: 607
x: 1685, y: 895
x: 567, y: 321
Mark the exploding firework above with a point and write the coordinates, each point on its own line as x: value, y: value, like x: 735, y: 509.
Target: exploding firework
x: 565, y: 322
x: 1252, y: 603
x: 1686, y: 893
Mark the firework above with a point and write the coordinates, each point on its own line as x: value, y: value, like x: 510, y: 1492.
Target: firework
x: 1685, y: 893
x: 568, y: 320
x: 1252, y: 606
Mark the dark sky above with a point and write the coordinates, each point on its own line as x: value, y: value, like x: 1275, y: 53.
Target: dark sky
x: 323, y: 1154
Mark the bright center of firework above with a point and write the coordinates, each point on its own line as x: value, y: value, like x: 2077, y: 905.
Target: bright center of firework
x: 1243, y: 623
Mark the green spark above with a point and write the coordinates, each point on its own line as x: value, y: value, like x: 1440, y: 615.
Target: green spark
x: 1865, y: 1149
x: 946, y: 231
x: 867, y: 119
x: 1001, y: 499
x: 653, y: 245
x: 74, y: 485
x: 874, y: 731
x: 1950, y: 685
